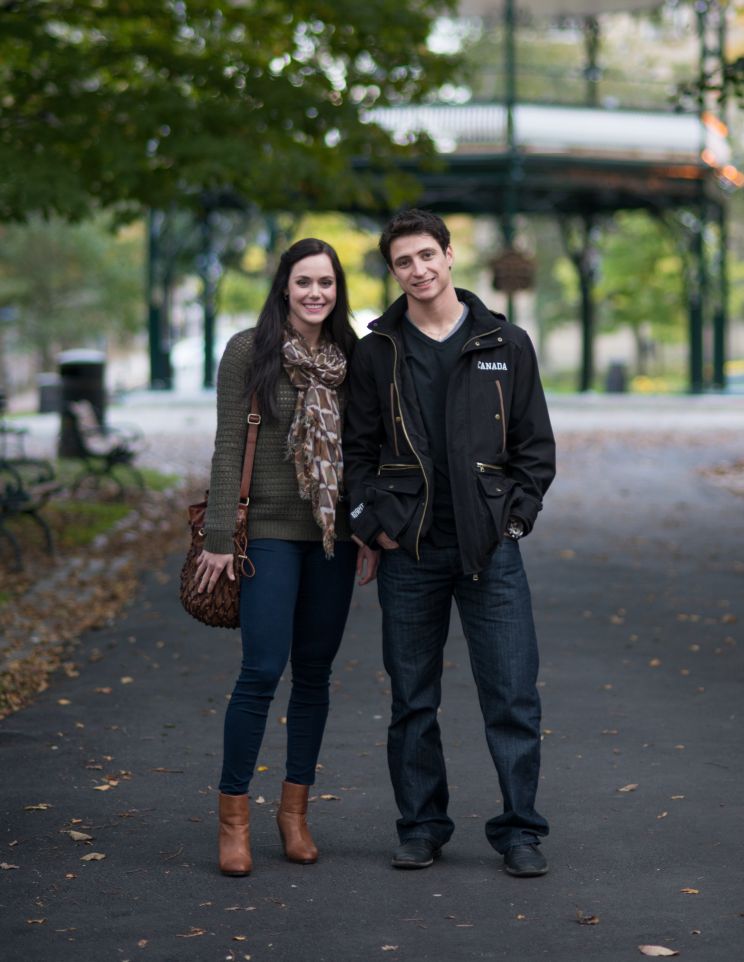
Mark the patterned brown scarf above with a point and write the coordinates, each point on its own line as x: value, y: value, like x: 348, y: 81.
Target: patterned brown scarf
x: 314, y: 439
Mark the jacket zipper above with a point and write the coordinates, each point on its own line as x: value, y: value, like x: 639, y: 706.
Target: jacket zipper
x: 395, y: 467
x: 392, y: 417
x: 476, y: 336
x: 482, y: 465
x: 408, y: 439
x: 503, y: 416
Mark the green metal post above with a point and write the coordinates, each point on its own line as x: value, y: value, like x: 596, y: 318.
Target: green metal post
x: 160, y: 370
x: 510, y: 98
x: 720, y: 318
x: 591, y: 70
x: 209, y: 294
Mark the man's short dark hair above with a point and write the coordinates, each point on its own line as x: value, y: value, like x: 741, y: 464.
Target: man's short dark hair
x: 413, y: 221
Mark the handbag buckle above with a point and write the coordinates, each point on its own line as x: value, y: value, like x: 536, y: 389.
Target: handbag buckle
x: 254, y: 418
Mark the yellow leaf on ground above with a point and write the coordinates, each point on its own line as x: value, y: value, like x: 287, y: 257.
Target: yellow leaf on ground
x: 93, y: 857
x: 102, y: 788
x: 126, y: 680
x: 191, y: 934
x: 586, y: 919
x: 39, y: 807
x: 262, y: 768
x: 628, y: 788
x: 688, y: 891
x: 657, y: 951
x: 64, y: 701
x: 80, y: 836
x: 331, y: 798
x: 240, y: 938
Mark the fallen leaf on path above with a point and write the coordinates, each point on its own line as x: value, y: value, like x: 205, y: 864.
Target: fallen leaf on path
x: 191, y: 934
x: 93, y: 857
x: 628, y: 788
x: 655, y: 663
x: 36, y: 921
x: 79, y: 836
x: 662, y: 814
x: 6, y: 866
x: 260, y: 800
x: 126, y: 680
x: 586, y: 919
x: 688, y: 891
x: 521, y: 918
x: 262, y: 768
x: 39, y: 807
x: 142, y: 943
x: 331, y: 798
x: 389, y: 948
x: 657, y: 950
x: 104, y: 691
x: 240, y: 938
x: 64, y: 701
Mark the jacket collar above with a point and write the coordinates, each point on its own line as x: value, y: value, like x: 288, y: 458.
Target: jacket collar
x: 482, y: 319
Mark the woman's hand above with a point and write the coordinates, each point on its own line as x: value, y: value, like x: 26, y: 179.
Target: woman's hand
x: 366, y: 566
x: 209, y: 568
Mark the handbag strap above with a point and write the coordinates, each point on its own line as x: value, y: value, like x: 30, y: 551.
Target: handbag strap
x: 254, y: 421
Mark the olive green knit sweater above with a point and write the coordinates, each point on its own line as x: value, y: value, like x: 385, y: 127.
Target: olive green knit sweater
x: 276, y: 509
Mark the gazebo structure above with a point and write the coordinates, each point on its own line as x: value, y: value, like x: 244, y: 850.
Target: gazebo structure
x: 581, y: 162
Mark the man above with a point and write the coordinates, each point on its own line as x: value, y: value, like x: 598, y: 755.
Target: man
x: 448, y: 451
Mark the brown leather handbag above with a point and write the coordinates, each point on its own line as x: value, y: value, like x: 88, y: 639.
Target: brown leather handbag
x: 220, y: 608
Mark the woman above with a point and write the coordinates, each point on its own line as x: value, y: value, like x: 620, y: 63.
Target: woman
x: 296, y: 604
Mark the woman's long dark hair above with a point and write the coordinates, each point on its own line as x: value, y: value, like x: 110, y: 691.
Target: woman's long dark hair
x: 272, y: 322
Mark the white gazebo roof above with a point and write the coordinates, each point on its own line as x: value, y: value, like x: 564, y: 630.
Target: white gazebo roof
x: 551, y: 8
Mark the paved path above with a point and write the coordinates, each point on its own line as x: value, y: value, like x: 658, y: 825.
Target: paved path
x: 636, y: 566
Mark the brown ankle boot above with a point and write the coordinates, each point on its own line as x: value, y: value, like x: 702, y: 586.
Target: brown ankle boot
x: 235, y: 835
x: 296, y: 838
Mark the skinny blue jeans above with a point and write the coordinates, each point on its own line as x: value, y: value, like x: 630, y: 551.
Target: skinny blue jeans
x: 496, y: 615
x: 293, y: 609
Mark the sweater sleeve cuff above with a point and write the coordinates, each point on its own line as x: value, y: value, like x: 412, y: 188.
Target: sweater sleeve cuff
x: 219, y: 542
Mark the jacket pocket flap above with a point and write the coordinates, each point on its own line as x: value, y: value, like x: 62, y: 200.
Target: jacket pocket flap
x: 495, y: 485
x: 403, y: 483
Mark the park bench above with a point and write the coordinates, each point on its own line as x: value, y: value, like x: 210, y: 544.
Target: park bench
x: 26, y: 484
x: 102, y: 448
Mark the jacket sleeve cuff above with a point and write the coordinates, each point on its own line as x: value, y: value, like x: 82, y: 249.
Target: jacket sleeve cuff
x: 525, y: 510
x: 364, y: 523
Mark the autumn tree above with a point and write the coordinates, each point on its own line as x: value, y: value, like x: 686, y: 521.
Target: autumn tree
x: 146, y: 103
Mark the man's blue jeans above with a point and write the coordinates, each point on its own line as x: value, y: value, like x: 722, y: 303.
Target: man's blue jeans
x: 496, y: 615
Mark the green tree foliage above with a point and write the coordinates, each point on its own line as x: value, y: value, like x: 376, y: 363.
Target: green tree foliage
x: 142, y: 103
x: 641, y: 285
x: 70, y: 284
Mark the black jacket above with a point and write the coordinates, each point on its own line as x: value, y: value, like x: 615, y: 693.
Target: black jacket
x: 500, y: 444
